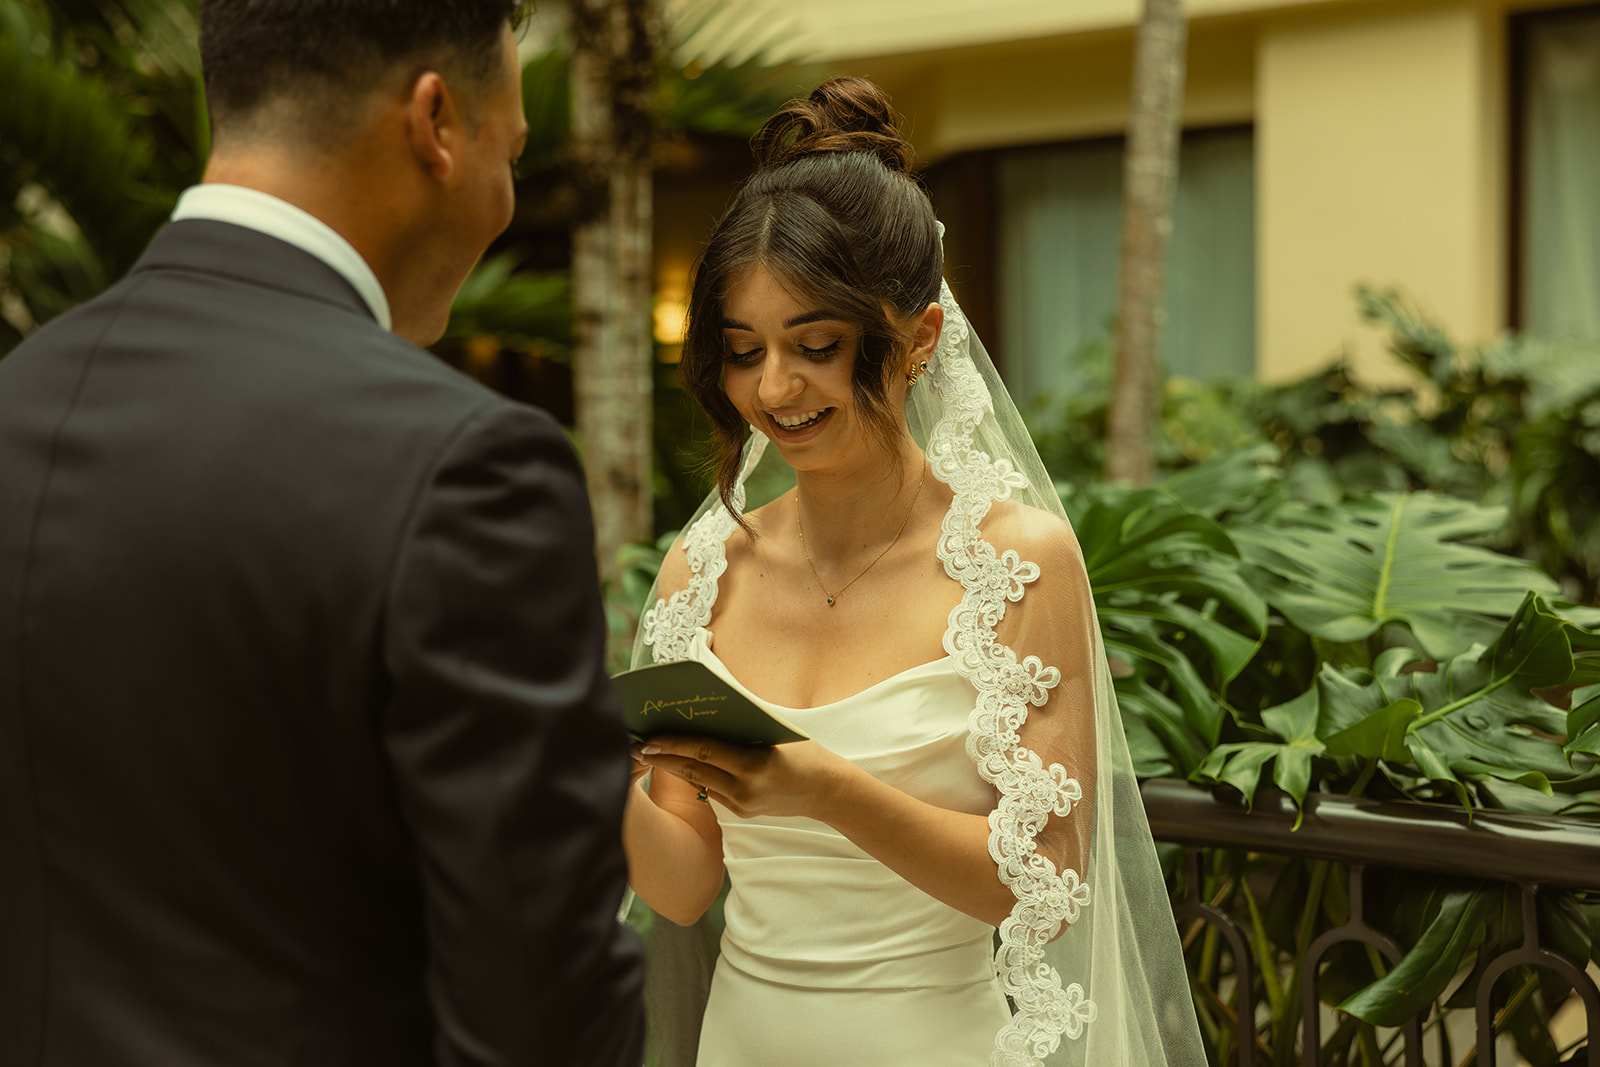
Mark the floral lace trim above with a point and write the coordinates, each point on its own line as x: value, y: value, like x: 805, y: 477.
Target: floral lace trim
x: 672, y: 624
x: 1007, y: 687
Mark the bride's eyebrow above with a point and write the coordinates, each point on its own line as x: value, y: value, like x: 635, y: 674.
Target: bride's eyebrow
x: 799, y: 320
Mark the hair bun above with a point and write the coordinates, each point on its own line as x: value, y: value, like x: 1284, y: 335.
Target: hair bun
x: 842, y: 115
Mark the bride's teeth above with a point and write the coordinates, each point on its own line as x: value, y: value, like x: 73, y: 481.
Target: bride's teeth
x: 792, y: 422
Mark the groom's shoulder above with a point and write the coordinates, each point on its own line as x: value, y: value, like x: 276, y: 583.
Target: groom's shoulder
x: 415, y: 377
x: 412, y: 390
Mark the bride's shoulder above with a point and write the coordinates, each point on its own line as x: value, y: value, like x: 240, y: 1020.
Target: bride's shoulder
x: 762, y: 523
x: 676, y: 569
x: 1035, y: 534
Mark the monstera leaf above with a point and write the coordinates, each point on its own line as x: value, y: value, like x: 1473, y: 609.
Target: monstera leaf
x: 1456, y: 927
x: 1341, y: 572
x: 1173, y: 609
x: 1476, y: 716
x: 1291, y: 757
x: 1422, y: 974
x: 1228, y: 483
x: 1474, y: 720
x: 1583, y: 721
x: 1158, y: 743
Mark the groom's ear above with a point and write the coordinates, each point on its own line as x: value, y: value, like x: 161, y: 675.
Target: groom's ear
x: 434, y: 124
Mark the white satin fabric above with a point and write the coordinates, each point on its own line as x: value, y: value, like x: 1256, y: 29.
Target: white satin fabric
x: 827, y: 956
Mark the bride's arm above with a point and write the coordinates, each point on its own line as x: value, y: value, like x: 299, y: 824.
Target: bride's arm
x: 674, y: 848
x: 672, y: 839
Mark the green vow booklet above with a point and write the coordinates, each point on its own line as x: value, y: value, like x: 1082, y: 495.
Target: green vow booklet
x: 688, y: 698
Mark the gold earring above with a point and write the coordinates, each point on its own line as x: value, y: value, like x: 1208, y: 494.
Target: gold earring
x: 916, y: 372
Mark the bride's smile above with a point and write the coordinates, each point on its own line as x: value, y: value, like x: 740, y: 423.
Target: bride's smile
x: 799, y: 422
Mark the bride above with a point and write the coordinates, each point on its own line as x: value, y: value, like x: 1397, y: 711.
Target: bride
x: 956, y: 868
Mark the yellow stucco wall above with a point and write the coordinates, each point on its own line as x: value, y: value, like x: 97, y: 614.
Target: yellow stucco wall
x: 1057, y: 88
x: 1374, y: 164
x: 1381, y: 132
x: 836, y: 30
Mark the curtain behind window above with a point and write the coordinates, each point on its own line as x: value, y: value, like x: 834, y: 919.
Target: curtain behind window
x: 1059, y: 222
x: 1561, y: 279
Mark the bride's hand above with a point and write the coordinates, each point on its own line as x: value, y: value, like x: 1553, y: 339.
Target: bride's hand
x: 790, y: 779
x: 639, y: 768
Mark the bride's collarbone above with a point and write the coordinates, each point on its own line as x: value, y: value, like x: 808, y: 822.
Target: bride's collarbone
x: 790, y: 647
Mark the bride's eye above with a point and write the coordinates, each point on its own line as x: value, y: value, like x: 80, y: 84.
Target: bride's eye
x: 740, y: 359
x: 824, y: 352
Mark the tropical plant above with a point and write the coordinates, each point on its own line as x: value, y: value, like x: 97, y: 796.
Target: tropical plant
x: 102, y: 124
x: 1440, y: 670
x: 1178, y: 619
x: 1513, y: 424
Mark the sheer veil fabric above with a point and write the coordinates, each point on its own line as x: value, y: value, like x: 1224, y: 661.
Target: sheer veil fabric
x: 1090, y: 954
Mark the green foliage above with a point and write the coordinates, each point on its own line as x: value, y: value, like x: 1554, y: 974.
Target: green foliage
x: 625, y: 598
x: 1176, y: 615
x: 1513, y: 424
x: 100, y: 125
x: 1418, y: 980
x: 530, y: 311
x: 701, y: 90
x: 1342, y: 572
x: 724, y: 96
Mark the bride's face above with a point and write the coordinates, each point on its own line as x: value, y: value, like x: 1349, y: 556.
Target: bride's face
x: 788, y: 370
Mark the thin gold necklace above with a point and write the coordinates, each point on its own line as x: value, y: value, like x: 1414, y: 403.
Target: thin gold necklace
x: 894, y: 541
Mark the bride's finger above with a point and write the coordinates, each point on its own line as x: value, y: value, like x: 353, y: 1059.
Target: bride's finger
x: 700, y: 749
x: 705, y: 777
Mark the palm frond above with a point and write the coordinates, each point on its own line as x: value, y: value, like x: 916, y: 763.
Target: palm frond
x: 728, y: 68
x: 523, y: 309
x: 74, y: 137
x: 51, y: 272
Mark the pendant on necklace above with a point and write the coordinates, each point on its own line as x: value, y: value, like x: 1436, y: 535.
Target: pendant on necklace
x: 830, y: 602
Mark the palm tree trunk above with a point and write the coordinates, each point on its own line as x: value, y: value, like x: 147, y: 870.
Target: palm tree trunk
x: 613, y: 77
x: 1149, y: 182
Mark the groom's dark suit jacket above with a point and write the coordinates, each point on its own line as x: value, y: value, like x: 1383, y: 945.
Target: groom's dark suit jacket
x: 307, y: 756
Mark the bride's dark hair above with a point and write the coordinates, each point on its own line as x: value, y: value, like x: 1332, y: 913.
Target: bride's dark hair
x: 834, y: 213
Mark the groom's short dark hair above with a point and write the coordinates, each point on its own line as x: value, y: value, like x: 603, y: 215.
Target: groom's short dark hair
x: 328, y: 53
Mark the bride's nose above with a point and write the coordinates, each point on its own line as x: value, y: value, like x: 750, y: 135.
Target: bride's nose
x: 779, y: 381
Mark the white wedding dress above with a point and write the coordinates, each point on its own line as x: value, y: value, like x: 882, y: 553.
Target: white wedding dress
x: 828, y: 957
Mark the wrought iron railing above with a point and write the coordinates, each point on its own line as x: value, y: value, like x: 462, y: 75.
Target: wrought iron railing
x: 1530, y: 851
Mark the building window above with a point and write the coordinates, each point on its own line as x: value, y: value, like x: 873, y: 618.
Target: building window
x: 1556, y: 265
x: 1056, y: 222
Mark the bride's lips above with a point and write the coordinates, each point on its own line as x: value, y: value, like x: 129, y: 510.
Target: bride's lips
x: 779, y: 432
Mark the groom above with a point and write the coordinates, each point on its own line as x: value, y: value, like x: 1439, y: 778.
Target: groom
x: 306, y: 751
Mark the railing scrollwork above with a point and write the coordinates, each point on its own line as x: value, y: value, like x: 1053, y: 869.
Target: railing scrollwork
x: 1528, y: 850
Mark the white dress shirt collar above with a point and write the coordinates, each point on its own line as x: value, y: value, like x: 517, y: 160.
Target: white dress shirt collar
x: 267, y: 214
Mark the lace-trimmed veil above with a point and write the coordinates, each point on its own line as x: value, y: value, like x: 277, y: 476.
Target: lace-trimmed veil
x: 1044, y: 730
